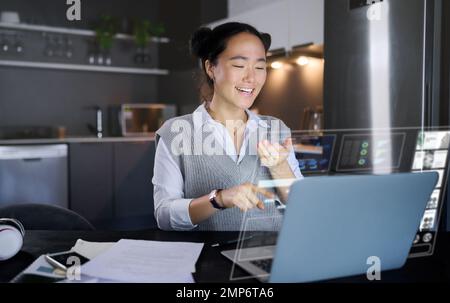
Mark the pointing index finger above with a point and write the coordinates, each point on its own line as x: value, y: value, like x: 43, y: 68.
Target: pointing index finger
x: 264, y: 192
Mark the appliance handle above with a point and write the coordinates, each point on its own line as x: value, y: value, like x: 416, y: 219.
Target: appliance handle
x: 428, y: 105
x: 32, y: 159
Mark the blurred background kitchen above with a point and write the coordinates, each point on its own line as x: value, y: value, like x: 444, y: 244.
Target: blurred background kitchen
x: 57, y: 73
x: 80, y: 100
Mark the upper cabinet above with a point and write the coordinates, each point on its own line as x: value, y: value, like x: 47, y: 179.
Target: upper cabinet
x: 306, y: 21
x: 289, y: 22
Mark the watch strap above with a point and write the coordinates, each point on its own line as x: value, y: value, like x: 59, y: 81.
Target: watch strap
x: 213, y: 200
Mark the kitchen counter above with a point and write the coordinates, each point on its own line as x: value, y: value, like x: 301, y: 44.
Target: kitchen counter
x: 76, y: 140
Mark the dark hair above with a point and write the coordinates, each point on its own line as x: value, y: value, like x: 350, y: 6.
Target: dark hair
x: 208, y: 44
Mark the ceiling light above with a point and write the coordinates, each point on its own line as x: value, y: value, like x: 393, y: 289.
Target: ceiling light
x: 276, y: 65
x: 302, y: 61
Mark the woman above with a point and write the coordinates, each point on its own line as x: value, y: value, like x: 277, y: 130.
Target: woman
x: 208, y: 164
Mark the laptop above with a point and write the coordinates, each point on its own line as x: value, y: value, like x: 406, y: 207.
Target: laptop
x: 334, y: 226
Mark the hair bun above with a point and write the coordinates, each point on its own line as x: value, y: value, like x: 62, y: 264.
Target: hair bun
x: 267, y: 40
x: 199, y: 42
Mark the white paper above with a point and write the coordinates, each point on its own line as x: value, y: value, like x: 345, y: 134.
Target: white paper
x: 140, y: 261
x: 91, y: 250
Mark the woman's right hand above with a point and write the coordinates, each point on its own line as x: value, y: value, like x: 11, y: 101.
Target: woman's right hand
x: 243, y: 196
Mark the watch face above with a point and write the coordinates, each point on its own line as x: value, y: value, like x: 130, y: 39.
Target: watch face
x: 212, y: 195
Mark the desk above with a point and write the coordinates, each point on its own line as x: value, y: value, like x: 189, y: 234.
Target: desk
x: 211, y: 266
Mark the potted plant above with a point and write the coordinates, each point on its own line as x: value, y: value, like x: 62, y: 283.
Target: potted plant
x: 157, y: 30
x: 105, y: 32
x: 143, y: 30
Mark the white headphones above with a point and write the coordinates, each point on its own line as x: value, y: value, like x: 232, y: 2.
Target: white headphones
x: 11, y: 238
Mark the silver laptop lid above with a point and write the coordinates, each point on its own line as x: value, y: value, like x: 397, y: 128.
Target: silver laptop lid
x: 334, y: 225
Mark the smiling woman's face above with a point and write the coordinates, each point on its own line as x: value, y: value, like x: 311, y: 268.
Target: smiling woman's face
x: 240, y: 72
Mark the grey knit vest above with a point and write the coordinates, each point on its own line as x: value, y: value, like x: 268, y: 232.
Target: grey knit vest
x: 203, y: 173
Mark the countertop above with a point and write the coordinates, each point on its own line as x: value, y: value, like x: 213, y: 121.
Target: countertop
x: 76, y: 140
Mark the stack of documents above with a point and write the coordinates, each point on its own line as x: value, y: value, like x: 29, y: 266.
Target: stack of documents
x: 139, y: 261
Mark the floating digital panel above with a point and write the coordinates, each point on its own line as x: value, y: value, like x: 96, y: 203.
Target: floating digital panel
x: 369, y: 151
x: 314, y: 153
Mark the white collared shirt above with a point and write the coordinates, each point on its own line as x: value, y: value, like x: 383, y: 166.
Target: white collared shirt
x: 171, y: 206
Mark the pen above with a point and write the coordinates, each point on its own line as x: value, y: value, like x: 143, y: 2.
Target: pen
x: 55, y: 263
x: 231, y: 241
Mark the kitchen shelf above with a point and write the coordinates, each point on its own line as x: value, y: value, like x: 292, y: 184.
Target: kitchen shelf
x: 70, y: 31
x: 84, y: 67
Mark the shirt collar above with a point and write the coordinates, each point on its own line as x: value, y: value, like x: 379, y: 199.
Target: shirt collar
x: 201, y: 117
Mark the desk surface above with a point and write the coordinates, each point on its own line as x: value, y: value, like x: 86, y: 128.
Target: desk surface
x: 211, y: 266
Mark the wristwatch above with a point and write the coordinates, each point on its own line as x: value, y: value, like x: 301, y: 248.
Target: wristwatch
x: 212, y: 199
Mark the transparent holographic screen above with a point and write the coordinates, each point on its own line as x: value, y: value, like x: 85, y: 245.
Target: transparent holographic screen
x: 410, y: 146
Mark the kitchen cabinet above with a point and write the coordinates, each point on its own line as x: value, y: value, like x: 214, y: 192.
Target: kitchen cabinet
x: 306, y: 22
x: 133, y: 188
x: 289, y: 22
x: 111, y: 184
x: 91, y: 186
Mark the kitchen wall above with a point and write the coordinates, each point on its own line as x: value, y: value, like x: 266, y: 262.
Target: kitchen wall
x: 180, y: 87
x: 35, y: 97
x: 39, y: 97
x: 290, y: 90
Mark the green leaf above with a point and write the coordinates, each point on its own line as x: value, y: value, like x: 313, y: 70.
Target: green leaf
x: 105, y: 31
x: 144, y: 29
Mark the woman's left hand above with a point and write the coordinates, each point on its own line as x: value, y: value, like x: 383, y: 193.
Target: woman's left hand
x: 272, y: 155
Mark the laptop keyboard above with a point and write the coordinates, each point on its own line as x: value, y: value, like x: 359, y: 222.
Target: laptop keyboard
x: 264, y: 264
